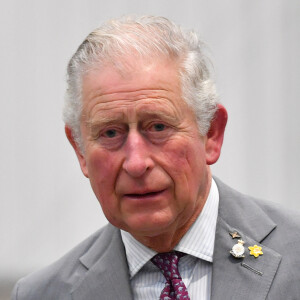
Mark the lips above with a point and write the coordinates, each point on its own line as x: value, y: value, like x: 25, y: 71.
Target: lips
x: 144, y: 195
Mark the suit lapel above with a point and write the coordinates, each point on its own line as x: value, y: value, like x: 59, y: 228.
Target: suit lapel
x: 249, y: 277
x: 107, y: 276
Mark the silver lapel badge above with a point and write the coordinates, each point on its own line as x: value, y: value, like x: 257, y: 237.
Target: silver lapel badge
x: 238, y: 249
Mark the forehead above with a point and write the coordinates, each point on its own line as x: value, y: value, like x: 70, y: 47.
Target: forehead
x: 133, y: 76
x: 140, y: 84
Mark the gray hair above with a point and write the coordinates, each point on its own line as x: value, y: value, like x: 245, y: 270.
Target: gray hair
x: 147, y: 37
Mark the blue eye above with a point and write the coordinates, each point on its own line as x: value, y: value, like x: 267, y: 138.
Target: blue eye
x: 110, y: 133
x: 159, y: 127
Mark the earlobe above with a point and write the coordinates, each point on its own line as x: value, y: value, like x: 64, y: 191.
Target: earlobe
x: 215, y: 135
x: 79, y: 155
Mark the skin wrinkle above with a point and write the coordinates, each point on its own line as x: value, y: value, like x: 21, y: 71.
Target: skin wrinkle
x: 119, y: 101
x: 134, y: 93
x: 145, y: 118
x: 101, y: 116
x: 171, y: 162
x: 119, y: 117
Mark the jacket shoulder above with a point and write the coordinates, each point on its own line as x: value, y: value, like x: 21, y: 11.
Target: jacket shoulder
x: 273, y: 226
x: 282, y: 216
x: 56, y: 280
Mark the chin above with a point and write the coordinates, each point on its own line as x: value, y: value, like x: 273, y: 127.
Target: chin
x: 149, y: 227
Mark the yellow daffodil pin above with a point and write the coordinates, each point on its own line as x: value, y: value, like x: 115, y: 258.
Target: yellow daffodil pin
x: 255, y: 251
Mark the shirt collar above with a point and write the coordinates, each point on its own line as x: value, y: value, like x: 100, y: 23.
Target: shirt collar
x: 198, y: 241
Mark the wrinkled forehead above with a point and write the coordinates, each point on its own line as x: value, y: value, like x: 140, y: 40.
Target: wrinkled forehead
x: 128, y: 64
x: 137, y: 71
x: 141, y: 82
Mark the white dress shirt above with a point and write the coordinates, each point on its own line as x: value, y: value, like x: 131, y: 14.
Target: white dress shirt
x: 195, y: 268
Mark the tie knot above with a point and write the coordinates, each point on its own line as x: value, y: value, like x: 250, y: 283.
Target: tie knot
x: 168, y: 264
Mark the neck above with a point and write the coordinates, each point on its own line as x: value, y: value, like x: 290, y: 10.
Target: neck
x: 166, y: 241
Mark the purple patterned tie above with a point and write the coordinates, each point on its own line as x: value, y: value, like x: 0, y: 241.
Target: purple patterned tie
x: 174, y: 288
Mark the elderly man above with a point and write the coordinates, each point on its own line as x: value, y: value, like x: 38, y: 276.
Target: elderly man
x: 142, y: 116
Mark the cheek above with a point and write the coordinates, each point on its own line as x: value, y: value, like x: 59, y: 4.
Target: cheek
x: 184, y: 158
x: 186, y: 165
x: 103, y: 170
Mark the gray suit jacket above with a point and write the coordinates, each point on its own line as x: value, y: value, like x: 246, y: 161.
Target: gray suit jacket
x: 97, y: 268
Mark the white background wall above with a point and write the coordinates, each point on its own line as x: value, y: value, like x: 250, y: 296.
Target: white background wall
x: 46, y: 205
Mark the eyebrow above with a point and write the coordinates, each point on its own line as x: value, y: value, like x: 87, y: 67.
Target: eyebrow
x: 170, y: 118
x: 103, y: 120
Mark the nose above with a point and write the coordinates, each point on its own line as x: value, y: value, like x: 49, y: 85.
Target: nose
x: 137, y: 155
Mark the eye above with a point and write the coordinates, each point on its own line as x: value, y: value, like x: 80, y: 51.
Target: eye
x: 158, y: 132
x: 112, y: 137
x: 110, y: 133
x: 159, y: 127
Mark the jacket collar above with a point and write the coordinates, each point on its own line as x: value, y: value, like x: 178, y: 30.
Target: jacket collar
x: 249, y: 277
x: 107, y: 276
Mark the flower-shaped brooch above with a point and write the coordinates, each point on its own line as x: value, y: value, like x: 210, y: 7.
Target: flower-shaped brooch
x: 255, y: 251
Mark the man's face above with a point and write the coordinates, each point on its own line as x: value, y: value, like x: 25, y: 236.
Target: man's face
x: 143, y: 153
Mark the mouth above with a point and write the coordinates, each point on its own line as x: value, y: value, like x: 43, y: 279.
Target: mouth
x: 144, y: 195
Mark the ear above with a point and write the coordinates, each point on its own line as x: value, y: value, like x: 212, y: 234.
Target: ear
x: 215, y: 135
x: 79, y: 155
